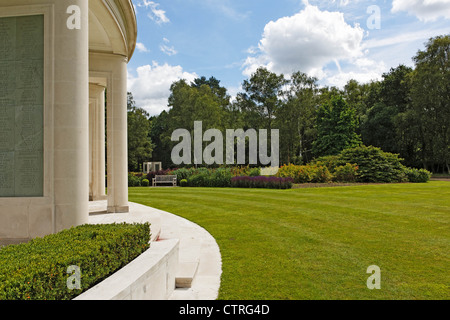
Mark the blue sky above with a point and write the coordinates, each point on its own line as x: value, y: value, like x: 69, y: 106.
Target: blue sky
x: 229, y: 39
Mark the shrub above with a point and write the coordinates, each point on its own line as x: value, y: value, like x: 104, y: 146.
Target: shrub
x: 347, y: 173
x: 184, y: 183
x: 203, y: 177
x: 200, y: 179
x: 244, y: 171
x: 221, y: 178
x: 300, y: 174
x: 320, y: 174
x: 286, y: 171
x: 255, y: 172
x: 331, y: 162
x: 183, y: 173
x: 133, y: 180
x: 262, y: 182
x: 417, y: 175
x: 305, y: 174
x: 38, y: 270
x: 374, y: 165
x: 145, y: 182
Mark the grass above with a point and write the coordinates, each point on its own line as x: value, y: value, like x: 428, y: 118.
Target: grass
x: 318, y: 243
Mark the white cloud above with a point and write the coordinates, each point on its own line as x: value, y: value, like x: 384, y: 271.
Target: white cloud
x: 170, y: 51
x: 156, y: 14
x: 311, y: 41
x: 366, y: 70
x: 141, y: 47
x: 404, y: 37
x: 151, y: 86
x: 424, y: 10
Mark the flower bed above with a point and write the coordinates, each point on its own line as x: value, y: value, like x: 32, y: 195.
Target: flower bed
x: 262, y: 182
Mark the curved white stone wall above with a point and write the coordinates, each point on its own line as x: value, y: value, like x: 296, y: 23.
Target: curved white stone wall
x: 151, y: 276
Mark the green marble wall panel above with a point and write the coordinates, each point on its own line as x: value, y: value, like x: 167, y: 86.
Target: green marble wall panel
x: 21, y: 106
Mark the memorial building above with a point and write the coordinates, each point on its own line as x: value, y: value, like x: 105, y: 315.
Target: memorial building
x: 63, y: 111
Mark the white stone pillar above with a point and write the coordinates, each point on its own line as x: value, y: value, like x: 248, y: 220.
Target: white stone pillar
x: 117, y: 136
x: 97, y: 142
x: 71, y: 112
x: 92, y: 103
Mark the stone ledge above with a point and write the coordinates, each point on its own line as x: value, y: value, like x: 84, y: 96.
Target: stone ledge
x: 186, y: 274
x: 151, y: 276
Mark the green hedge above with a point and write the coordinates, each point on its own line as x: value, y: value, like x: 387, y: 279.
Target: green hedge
x: 37, y: 270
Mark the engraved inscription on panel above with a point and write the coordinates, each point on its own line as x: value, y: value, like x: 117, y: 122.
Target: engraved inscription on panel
x: 21, y: 106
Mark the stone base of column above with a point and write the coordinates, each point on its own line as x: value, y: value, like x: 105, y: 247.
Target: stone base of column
x: 124, y: 209
x: 97, y: 198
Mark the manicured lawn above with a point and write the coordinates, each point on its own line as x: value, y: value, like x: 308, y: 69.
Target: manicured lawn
x: 318, y: 243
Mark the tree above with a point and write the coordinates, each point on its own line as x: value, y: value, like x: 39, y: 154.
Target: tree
x: 261, y: 98
x: 356, y: 95
x: 382, y: 124
x: 161, y: 151
x: 195, y: 103
x: 395, y: 88
x: 430, y: 93
x: 296, y: 119
x: 378, y: 128
x: 337, y: 124
x: 214, y: 84
x: 140, y: 145
x: 191, y: 103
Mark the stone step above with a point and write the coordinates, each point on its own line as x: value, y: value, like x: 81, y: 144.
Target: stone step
x: 186, y: 274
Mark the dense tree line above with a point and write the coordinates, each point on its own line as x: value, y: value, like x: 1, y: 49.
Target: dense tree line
x: 407, y: 112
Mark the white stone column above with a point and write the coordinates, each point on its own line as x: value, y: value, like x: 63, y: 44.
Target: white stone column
x: 117, y: 137
x: 112, y: 69
x: 97, y: 142
x: 71, y: 112
x: 92, y: 103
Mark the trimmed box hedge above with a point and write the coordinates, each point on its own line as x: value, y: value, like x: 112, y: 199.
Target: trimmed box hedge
x: 38, y: 270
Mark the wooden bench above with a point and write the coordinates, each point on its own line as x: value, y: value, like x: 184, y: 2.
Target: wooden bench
x: 165, y: 180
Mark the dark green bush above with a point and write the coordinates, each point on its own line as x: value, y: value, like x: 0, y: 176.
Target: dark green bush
x: 374, y: 165
x: 38, y: 270
x: 418, y: 175
x: 145, y: 183
x: 184, y: 183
